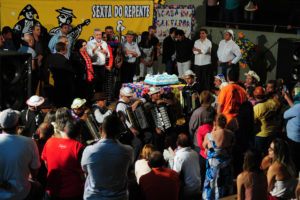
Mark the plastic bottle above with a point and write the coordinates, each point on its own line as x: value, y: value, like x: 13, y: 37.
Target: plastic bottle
x: 134, y: 78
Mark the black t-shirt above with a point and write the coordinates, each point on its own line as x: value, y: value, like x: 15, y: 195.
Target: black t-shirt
x: 31, y: 120
x: 154, y: 42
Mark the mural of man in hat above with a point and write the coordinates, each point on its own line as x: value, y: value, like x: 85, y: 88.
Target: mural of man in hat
x: 25, y: 25
x: 66, y: 17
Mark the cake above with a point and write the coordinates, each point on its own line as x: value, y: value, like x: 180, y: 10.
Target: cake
x: 161, y: 79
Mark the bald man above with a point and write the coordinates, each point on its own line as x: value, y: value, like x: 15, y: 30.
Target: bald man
x: 26, y: 47
x: 45, y: 130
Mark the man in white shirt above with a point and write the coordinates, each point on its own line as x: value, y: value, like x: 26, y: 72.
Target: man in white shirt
x: 98, y: 51
x: 131, y: 52
x: 186, y: 164
x: 202, y: 51
x: 136, y: 138
x: 229, y: 53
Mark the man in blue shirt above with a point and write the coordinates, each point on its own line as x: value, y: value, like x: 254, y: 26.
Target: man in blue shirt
x: 293, y: 128
x: 106, y: 164
x: 64, y: 30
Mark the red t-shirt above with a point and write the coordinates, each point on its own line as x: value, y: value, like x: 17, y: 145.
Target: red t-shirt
x: 160, y: 184
x: 202, y: 131
x: 64, y: 170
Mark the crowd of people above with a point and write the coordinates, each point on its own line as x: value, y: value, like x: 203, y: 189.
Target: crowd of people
x: 88, y: 138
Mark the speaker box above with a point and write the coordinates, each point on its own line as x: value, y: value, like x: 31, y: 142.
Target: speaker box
x: 15, y: 79
x: 288, y: 60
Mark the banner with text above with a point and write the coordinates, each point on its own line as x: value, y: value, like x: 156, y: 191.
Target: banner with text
x: 179, y: 16
x: 84, y: 16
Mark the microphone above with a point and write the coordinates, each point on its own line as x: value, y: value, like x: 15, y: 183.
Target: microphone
x: 99, y: 41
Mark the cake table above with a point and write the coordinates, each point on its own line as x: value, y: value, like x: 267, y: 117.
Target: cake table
x: 140, y: 88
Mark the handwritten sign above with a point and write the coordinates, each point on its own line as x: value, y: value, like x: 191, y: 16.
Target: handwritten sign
x: 179, y: 16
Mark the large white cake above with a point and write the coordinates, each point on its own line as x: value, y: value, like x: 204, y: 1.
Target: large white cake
x: 161, y: 79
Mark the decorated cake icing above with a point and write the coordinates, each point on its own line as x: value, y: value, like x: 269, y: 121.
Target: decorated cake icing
x: 161, y: 79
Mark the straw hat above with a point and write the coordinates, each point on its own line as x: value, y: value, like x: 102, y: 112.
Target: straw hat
x: 35, y: 101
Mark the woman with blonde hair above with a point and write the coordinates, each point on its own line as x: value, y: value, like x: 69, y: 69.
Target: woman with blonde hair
x: 141, y: 165
x: 281, y: 174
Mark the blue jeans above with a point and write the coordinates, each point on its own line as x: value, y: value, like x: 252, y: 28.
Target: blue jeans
x: 224, y: 69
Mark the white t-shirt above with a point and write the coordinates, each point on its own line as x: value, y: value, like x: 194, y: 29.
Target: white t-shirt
x: 141, y: 168
x: 186, y: 161
x: 17, y: 155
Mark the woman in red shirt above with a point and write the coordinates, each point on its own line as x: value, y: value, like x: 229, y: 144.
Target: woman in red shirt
x: 62, y: 157
x: 202, y: 131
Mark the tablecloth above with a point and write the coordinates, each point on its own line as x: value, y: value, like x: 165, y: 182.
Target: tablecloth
x: 140, y: 88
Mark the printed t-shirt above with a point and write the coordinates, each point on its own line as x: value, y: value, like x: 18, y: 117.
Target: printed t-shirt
x: 62, y: 156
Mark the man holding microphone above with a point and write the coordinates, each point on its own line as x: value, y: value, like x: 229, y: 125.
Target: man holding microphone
x: 98, y: 51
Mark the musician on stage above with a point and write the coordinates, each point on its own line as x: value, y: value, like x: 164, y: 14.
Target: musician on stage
x: 194, y: 88
x: 159, y: 132
x: 100, y: 109
x: 79, y: 109
x: 89, y: 131
x: 156, y: 97
x: 126, y: 101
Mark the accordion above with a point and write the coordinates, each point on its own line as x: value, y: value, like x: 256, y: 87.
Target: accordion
x: 92, y: 127
x: 138, y: 118
x: 187, y: 101
x: 161, y: 117
x: 125, y: 134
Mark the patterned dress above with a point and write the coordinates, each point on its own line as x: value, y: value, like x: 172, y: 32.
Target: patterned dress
x: 218, y: 179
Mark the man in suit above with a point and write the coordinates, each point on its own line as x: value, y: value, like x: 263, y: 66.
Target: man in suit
x: 63, y: 76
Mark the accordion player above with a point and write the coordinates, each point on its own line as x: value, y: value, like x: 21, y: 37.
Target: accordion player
x: 125, y: 107
x: 138, y: 118
x: 189, y: 100
x: 189, y: 96
x: 160, y: 110
x: 136, y: 137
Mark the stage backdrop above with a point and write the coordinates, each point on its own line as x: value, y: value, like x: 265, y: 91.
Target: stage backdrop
x: 82, y: 15
x: 168, y: 16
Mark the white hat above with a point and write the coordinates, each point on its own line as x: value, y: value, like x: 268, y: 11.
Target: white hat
x: 154, y: 90
x: 126, y: 91
x: 35, y: 101
x: 253, y: 74
x: 189, y: 73
x: 229, y: 31
x: 9, y: 118
x: 77, y: 103
x: 221, y: 77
